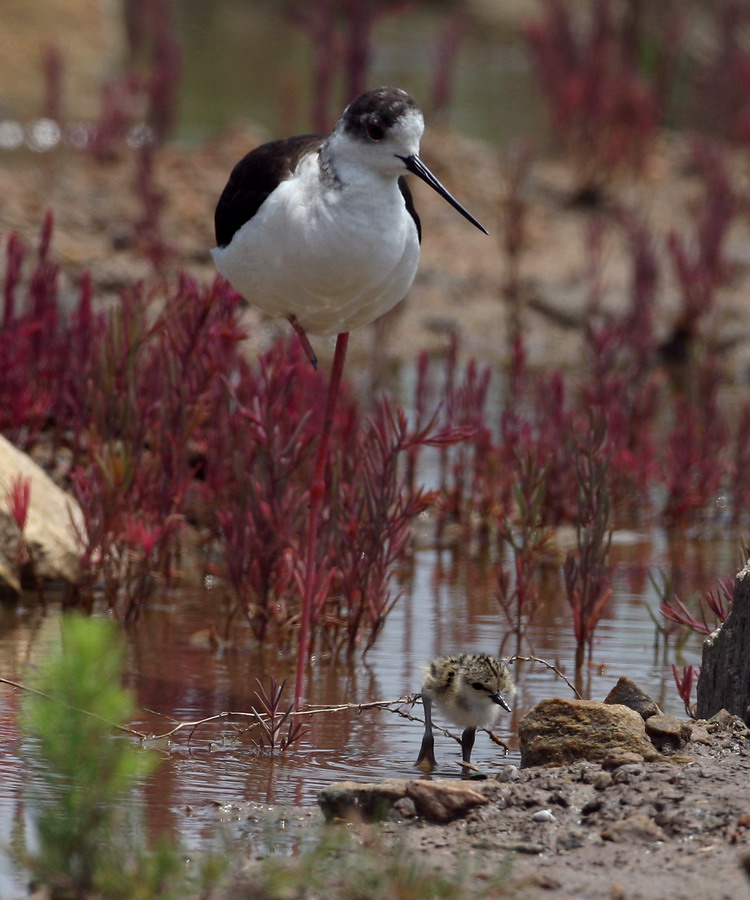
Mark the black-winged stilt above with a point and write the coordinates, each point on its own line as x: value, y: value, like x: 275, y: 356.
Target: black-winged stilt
x: 323, y: 231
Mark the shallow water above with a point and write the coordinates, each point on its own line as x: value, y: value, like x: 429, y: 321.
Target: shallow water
x: 178, y: 676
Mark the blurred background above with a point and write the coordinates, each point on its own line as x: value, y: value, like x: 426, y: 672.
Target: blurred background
x: 595, y: 348
x: 263, y: 61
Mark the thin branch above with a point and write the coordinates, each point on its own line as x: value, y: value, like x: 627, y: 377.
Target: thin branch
x: 31, y: 690
x: 544, y: 662
x: 260, y: 719
x: 315, y: 710
x: 496, y: 740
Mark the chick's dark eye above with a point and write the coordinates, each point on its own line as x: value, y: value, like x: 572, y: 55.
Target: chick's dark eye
x: 375, y: 132
x: 478, y: 686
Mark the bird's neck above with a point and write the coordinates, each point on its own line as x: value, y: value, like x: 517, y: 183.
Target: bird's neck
x: 340, y: 168
x: 327, y: 170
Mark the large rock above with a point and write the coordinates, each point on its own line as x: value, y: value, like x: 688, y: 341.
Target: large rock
x: 439, y: 801
x: 724, y: 681
x: 558, y: 731
x: 443, y: 801
x: 360, y: 801
x: 51, y: 533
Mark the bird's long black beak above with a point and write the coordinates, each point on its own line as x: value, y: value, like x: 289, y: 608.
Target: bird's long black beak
x: 415, y: 165
x: 501, y: 701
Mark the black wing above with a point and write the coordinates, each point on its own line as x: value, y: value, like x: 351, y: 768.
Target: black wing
x: 254, y: 177
x: 409, y: 201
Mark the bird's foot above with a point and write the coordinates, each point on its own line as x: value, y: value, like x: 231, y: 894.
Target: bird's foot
x: 426, y: 759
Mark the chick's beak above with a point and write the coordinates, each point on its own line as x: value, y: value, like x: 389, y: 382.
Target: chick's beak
x: 501, y: 701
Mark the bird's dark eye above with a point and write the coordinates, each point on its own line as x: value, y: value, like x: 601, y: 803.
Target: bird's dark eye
x: 478, y: 686
x: 375, y: 132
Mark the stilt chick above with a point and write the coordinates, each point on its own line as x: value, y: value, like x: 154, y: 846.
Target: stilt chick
x: 470, y: 689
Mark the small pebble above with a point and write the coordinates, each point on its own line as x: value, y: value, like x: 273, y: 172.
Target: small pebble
x: 507, y: 773
x: 699, y: 734
x: 543, y: 815
x: 629, y: 773
x: 602, y: 781
x: 404, y: 809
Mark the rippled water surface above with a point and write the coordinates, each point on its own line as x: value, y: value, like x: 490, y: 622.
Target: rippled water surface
x: 178, y: 676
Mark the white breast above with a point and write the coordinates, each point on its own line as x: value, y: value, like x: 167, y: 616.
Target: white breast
x: 336, y: 256
x: 464, y: 706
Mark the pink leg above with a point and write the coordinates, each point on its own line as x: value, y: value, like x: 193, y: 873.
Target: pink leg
x: 304, y: 340
x: 317, y: 489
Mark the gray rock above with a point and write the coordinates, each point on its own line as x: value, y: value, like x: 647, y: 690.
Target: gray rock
x: 668, y: 734
x: 629, y: 694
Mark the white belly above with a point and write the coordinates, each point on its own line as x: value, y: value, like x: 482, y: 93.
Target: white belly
x: 334, y: 257
x: 466, y: 709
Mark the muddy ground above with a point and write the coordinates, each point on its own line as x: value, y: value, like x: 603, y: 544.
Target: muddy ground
x: 664, y: 830
x: 675, y: 829
x: 667, y: 830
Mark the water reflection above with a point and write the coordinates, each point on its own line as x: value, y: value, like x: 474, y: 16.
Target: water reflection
x: 449, y: 604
